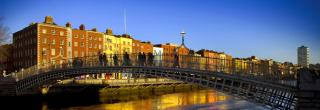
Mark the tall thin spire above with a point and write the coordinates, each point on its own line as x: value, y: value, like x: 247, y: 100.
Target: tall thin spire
x: 182, y: 35
x: 125, y: 21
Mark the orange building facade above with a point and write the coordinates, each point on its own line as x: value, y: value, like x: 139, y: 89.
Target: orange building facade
x: 141, y: 47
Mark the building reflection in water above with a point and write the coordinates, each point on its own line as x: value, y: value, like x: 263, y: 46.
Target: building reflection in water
x: 167, y: 101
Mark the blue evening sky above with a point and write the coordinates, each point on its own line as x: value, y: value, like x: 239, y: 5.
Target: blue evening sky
x: 264, y: 28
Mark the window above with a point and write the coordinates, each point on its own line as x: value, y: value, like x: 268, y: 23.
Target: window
x: 76, y: 36
x: 44, y: 40
x: 82, y: 54
x: 61, y: 33
x: 61, y: 51
x: 99, y: 46
x: 53, y: 41
x: 99, y: 39
x: 81, y: 36
x: 44, y: 31
x: 110, y: 47
x: 90, y: 46
x: 62, y: 42
x: 53, y: 62
x: 90, y: 37
x: 44, y: 61
x: 76, y: 44
x: 53, y: 51
x: 95, y: 38
x: 81, y: 44
x: 75, y: 53
x: 95, y: 46
x: 44, y: 51
x: 53, y: 32
x: 69, y: 43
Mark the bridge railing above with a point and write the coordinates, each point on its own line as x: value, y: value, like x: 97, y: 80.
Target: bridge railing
x: 261, y: 71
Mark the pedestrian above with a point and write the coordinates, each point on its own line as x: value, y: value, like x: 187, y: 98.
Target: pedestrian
x: 176, y: 60
x: 140, y: 59
x: 150, y: 59
x: 143, y: 59
x: 115, y: 60
x: 104, y: 59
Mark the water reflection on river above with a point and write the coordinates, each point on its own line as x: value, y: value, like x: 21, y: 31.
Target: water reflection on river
x: 196, y: 99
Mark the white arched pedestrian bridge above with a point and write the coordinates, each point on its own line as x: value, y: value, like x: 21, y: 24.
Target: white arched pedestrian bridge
x: 251, y: 82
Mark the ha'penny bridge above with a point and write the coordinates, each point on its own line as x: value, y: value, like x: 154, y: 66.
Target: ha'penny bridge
x: 253, y: 82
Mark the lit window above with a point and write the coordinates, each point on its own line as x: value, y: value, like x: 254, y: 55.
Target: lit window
x: 76, y: 44
x: 53, y: 41
x: 99, y: 46
x: 53, y: 51
x: 44, y: 31
x: 99, y: 39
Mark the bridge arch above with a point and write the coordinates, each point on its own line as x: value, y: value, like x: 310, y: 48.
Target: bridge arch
x: 189, y: 69
x: 256, y: 91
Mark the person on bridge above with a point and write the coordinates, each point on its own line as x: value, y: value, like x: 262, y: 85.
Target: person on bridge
x: 126, y: 59
x: 115, y: 60
x: 140, y: 59
x: 150, y: 59
x: 143, y: 59
x: 104, y: 59
x: 176, y: 60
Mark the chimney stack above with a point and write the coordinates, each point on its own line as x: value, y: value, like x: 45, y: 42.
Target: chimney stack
x: 82, y: 27
x: 48, y: 20
x: 68, y: 25
x: 109, y: 31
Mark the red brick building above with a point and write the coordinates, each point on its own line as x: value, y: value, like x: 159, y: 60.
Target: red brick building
x: 47, y: 43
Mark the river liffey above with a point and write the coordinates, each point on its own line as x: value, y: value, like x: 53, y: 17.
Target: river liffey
x: 166, y: 99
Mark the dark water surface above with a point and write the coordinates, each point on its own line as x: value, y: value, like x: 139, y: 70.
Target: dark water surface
x: 132, y: 99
